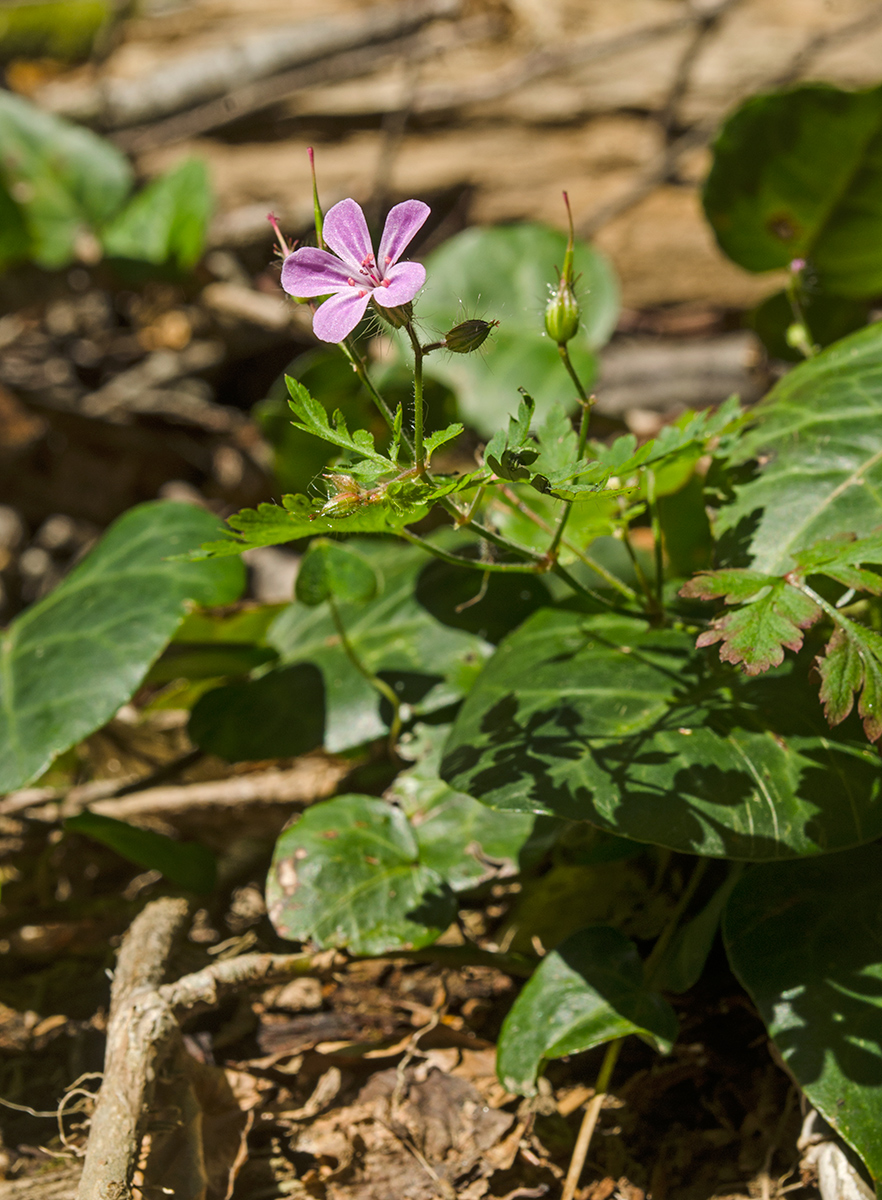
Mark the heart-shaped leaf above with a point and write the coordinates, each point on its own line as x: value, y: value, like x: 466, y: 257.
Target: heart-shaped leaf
x: 805, y: 939
x: 607, y: 720
x: 70, y: 660
x: 586, y: 992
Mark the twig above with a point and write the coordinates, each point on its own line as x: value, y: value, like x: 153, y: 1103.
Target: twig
x: 592, y: 1112
x: 311, y: 778
x: 140, y: 1028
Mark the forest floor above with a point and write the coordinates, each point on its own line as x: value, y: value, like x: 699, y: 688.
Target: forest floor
x: 364, y: 1079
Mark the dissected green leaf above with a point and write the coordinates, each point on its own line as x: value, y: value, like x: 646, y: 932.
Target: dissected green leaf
x: 167, y: 221
x: 70, y: 660
x: 805, y: 939
x: 757, y: 634
x: 333, y: 570
x: 797, y: 174
x: 429, y: 664
x: 278, y: 715
x: 188, y: 865
x: 441, y: 437
x: 602, y: 718
x: 586, y: 992
x: 511, y: 452
x: 349, y: 874
x: 65, y: 179
x: 505, y: 274
x: 818, y: 438
x: 313, y: 418
x: 852, y: 663
x: 842, y: 559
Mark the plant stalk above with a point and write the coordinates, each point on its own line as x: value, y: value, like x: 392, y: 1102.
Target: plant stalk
x: 378, y: 684
x: 418, y: 450
x: 589, y: 1121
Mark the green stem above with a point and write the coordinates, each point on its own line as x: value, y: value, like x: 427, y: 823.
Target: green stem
x: 655, y: 525
x: 589, y: 1121
x: 361, y: 371
x: 586, y: 401
x: 474, y: 563
x: 650, y: 967
x: 418, y: 451
x: 650, y: 605
x: 378, y: 684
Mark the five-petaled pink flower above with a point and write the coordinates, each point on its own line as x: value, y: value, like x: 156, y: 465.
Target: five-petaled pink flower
x: 352, y: 276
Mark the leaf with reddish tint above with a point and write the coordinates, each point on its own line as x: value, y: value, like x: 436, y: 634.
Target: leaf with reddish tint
x: 735, y: 586
x: 757, y: 634
x: 852, y: 663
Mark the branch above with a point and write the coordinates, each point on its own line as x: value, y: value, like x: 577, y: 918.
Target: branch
x: 139, y: 1031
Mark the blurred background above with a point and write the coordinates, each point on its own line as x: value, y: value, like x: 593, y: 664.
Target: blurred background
x: 142, y: 144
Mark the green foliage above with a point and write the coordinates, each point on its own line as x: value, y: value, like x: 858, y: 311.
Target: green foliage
x: 505, y: 274
x: 349, y: 873
x: 803, y: 937
x: 167, y: 221
x: 588, y: 991
x: 330, y: 570
x: 188, y: 865
x: 277, y: 715
x: 63, y: 191
x: 818, y: 436
x: 428, y: 664
x: 609, y: 720
x: 827, y: 318
x: 71, y: 660
x: 64, y: 180
x: 682, y: 963
x: 59, y: 29
x: 796, y: 174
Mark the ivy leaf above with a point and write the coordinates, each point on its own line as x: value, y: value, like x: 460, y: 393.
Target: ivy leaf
x: 757, y: 634
x: 313, y: 418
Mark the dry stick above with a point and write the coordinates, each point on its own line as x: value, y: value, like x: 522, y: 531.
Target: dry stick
x: 592, y: 1112
x: 141, y: 1025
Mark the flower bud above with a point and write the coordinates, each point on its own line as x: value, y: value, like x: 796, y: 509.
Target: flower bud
x: 562, y: 314
x: 468, y: 335
x: 562, y: 310
x: 397, y: 317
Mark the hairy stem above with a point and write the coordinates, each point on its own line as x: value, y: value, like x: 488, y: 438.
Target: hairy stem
x: 418, y: 450
x: 361, y: 371
x: 473, y: 563
x: 376, y: 683
x: 586, y: 402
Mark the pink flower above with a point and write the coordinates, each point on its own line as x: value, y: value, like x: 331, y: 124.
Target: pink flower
x: 351, y: 277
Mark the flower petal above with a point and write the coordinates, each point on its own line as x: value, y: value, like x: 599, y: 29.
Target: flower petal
x: 402, y: 225
x: 346, y: 232
x: 405, y: 280
x: 312, y: 272
x: 338, y: 316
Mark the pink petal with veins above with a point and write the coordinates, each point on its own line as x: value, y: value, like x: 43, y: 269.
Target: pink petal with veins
x: 336, y: 318
x: 405, y: 280
x: 346, y: 232
x: 312, y: 272
x: 402, y: 225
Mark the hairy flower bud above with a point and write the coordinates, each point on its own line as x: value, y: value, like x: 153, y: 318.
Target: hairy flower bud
x: 562, y: 314
x: 562, y: 310
x: 397, y: 317
x: 468, y: 335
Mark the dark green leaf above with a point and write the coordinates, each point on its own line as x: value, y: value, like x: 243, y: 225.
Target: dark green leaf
x: 827, y: 318
x: 187, y: 865
x: 686, y: 531
x: 332, y: 570
x: 805, y: 938
x: 73, y: 658
x: 66, y: 180
x: 167, y: 221
x: 797, y: 174
x: 505, y: 274
x: 348, y: 873
x: 429, y: 664
x: 212, y: 661
x: 464, y: 841
x: 586, y: 992
x: 601, y: 718
x: 818, y: 435
x: 279, y: 715
x: 683, y: 962
x: 487, y: 605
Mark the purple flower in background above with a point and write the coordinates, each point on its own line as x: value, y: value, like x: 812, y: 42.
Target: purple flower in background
x: 352, y: 276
